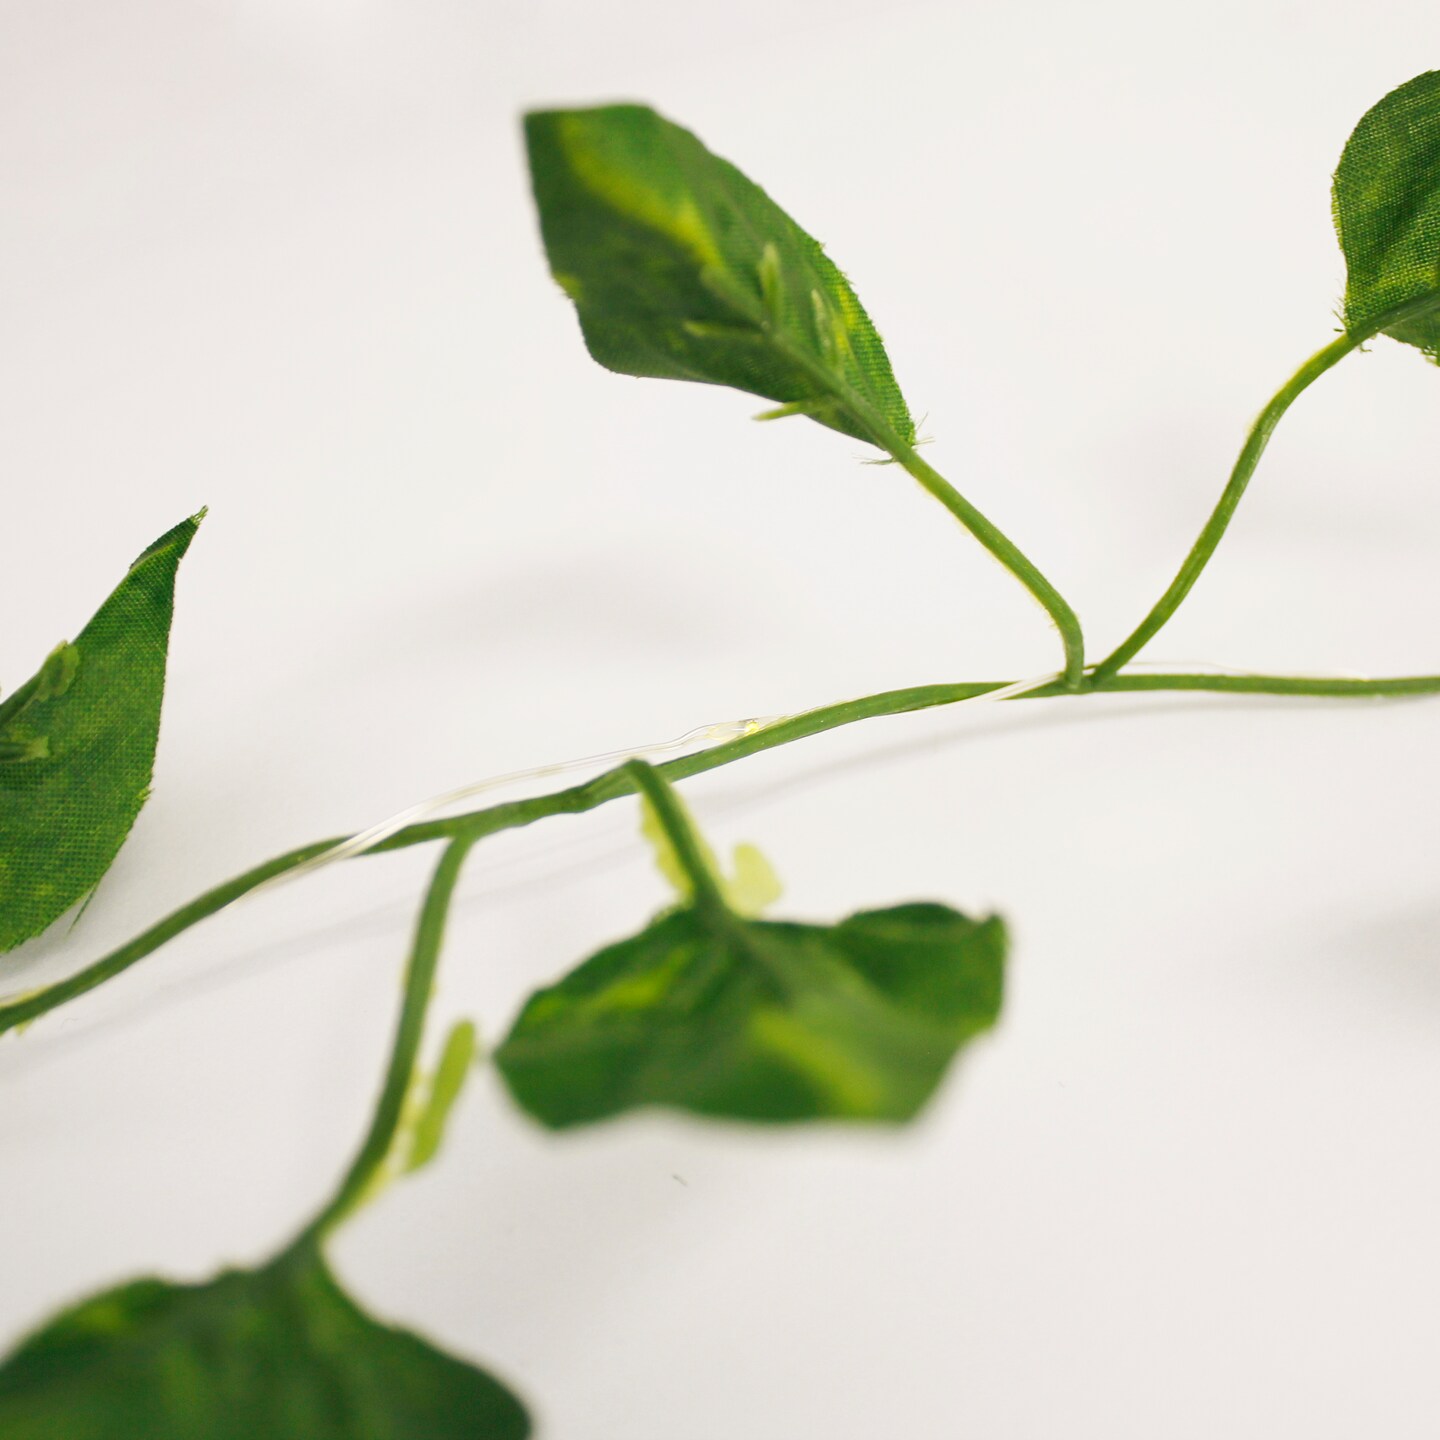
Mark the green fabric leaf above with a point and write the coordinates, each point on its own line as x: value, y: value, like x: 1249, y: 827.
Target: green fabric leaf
x: 683, y: 269
x: 758, y: 1020
x: 77, y: 747
x: 280, y: 1353
x: 1387, y: 213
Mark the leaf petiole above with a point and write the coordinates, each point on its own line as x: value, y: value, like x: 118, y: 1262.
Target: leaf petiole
x: 1219, y: 521
x: 865, y: 419
x: 1007, y: 553
x: 1245, y: 466
x: 419, y: 986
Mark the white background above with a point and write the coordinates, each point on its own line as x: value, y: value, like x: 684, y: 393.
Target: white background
x: 278, y: 257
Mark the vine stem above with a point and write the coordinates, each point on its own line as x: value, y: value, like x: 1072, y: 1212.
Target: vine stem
x: 410, y: 1030
x: 22, y: 1010
x: 474, y: 825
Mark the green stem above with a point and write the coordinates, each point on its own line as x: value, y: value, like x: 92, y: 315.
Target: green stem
x: 1245, y: 465
x: 1391, y: 688
x: 612, y: 784
x: 29, y: 1007
x: 476, y: 824
x: 419, y: 986
x: 1219, y: 521
x: 1006, y: 552
x: 675, y: 824
x: 870, y: 421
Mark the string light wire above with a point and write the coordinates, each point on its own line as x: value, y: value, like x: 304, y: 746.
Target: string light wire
x: 718, y: 734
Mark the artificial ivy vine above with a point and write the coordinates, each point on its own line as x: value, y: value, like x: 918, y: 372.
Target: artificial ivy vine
x: 679, y: 267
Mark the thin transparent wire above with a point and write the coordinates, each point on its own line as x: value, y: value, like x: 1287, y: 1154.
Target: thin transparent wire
x: 718, y: 734
x: 367, y: 839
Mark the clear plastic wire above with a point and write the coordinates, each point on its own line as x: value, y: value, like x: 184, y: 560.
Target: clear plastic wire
x: 366, y: 840
x: 718, y: 734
